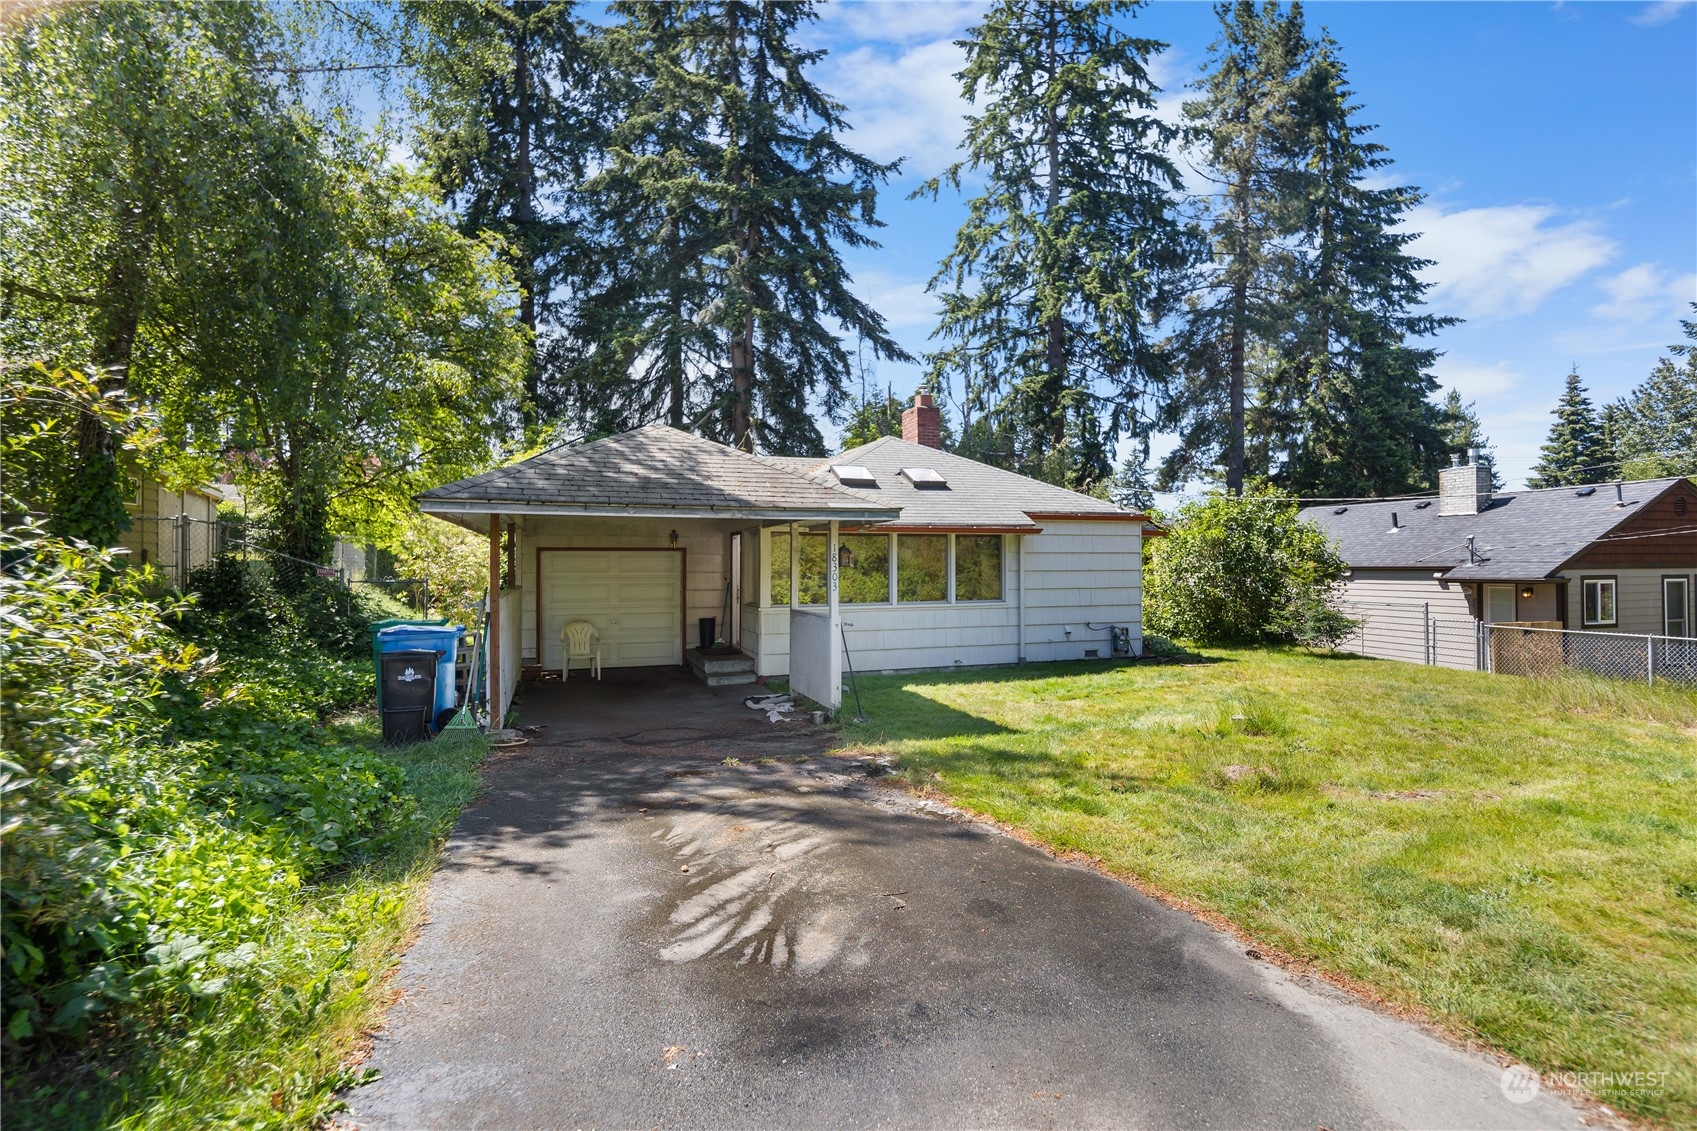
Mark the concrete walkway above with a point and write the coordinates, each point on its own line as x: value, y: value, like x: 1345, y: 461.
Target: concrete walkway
x: 629, y: 932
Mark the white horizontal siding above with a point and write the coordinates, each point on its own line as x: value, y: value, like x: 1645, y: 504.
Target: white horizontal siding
x: 1081, y: 574
x: 1407, y: 586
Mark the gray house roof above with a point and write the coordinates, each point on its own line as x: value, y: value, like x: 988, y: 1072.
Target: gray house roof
x: 975, y: 495
x: 653, y: 471
x: 1523, y: 536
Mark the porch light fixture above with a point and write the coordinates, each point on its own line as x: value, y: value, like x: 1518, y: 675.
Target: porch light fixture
x: 1526, y: 592
x: 673, y: 537
x: 845, y: 557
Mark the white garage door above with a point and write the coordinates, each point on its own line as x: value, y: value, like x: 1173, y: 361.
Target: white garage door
x: 632, y: 596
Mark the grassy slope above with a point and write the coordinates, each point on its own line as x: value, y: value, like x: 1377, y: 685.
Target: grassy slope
x: 278, y: 1061
x: 1541, y: 895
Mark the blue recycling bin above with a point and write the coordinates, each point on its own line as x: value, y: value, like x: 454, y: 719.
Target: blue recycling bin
x: 443, y: 639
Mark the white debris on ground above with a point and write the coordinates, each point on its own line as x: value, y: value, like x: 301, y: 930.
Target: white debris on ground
x: 778, y: 708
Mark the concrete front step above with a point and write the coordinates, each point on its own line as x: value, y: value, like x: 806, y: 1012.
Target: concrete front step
x: 721, y: 671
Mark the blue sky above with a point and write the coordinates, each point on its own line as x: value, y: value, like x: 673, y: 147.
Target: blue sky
x: 1557, y: 145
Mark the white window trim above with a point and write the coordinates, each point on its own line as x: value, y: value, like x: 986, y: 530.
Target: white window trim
x: 1684, y: 605
x: 1585, y: 584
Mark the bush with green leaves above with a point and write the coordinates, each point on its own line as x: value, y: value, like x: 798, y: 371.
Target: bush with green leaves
x: 165, y: 800
x: 1244, y: 570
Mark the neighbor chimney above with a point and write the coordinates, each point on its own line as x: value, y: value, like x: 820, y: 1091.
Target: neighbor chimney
x: 923, y: 423
x: 1465, y: 488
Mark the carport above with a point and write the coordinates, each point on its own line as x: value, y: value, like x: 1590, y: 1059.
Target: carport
x: 643, y: 535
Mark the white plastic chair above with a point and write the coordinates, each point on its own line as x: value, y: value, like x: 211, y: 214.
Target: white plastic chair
x: 582, y: 642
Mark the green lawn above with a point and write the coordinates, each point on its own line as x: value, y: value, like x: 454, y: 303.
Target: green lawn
x: 1517, y: 858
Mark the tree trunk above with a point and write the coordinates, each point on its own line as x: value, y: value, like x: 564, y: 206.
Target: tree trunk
x: 1237, y: 361
x: 1055, y: 359
x: 524, y: 213
x: 742, y: 341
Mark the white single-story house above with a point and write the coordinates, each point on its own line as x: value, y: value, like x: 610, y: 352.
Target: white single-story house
x: 909, y: 556
x: 1606, y: 557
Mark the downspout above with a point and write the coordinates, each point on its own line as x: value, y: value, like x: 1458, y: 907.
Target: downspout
x: 1019, y: 547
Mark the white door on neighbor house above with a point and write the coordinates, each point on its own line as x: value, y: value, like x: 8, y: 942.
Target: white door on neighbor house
x: 634, y: 598
x: 1499, y: 603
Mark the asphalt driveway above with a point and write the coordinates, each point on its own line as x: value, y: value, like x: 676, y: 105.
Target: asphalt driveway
x: 630, y: 932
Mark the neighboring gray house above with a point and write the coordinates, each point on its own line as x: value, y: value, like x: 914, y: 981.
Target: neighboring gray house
x: 1612, y: 557
x: 921, y: 558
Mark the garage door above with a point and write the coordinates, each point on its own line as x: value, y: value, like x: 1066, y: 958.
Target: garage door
x: 632, y: 597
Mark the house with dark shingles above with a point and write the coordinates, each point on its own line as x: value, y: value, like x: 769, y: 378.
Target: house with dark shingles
x: 906, y: 555
x: 1610, y: 557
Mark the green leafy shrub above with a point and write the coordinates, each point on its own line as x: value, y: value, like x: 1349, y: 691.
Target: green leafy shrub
x: 1244, y: 570
x: 165, y: 803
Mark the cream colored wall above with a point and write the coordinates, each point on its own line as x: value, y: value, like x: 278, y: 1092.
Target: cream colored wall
x: 1079, y: 575
x: 704, y: 542
x: 1407, y: 586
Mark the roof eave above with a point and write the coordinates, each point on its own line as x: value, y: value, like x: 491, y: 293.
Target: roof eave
x: 445, y: 507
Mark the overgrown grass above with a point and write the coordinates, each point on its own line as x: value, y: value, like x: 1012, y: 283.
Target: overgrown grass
x: 1517, y: 858
x: 274, y: 1056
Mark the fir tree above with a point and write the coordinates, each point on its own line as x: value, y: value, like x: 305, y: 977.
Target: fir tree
x: 1575, y: 452
x: 1246, y: 115
x: 1657, y: 431
x: 507, y: 126
x: 1066, y: 257
x: 872, y: 416
x: 743, y: 195
x: 1463, y: 432
x: 1348, y: 409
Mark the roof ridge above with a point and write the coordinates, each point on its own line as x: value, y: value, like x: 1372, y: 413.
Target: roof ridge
x: 802, y: 475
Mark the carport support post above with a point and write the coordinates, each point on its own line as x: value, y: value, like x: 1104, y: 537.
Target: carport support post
x: 831, y: 611
x: 492, y: 646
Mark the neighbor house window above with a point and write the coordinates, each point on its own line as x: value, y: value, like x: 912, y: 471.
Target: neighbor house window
x: 1599, y: 600
x: 780, y: 567
x: 922, y: 567
x: 863, y: 575
x: 814, y: 548
x: 1676, y: 606
x: 978, y: 567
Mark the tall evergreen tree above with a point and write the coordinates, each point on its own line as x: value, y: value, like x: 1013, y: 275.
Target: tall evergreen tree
x: 1575, y: 452
x: 1348, y: 408
x: 1657, y: 430
x: 508, y: 124
x: 1463, y: 432
x: 1066, y: 258
x: 743, y: 194
x: 1247, y: 119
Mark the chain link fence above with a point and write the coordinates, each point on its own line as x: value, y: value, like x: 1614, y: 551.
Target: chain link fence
x: 1410, y: 632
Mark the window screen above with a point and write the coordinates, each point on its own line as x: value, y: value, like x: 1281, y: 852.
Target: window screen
x: 978, y: 567
x: 813, y: 579
x: 864, y: 574
x: 780, y: 567
x: 922, y: 567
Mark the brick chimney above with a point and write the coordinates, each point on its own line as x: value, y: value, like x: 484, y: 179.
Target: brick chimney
x: 923, y: 423
x: 1464, y: 488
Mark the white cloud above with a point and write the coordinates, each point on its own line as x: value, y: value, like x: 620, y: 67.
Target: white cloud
x: 1476, y: 380
x: 900, y: 299
x: 1660, y: 12
x: 901, y: 21
x: 1644, y: 292
x: 1503, y: 261
x: 903, y: 104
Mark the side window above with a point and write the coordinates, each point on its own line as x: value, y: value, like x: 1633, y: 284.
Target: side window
x: 1599, y: 600
x: 780, y: 567
x: 1676, y: 606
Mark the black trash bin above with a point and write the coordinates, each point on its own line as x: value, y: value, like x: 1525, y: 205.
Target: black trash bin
x: 409, y: 695
x: 708, y: 627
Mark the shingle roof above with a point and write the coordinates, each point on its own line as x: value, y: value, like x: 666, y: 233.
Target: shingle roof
x: 654, y: 469
x: 977, y: 496
x: 1522, y: 536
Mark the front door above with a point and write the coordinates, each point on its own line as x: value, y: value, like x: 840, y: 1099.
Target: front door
x: 1499, y: 603
x: 634, y: 598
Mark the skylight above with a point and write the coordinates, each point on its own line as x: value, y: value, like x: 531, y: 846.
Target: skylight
x: 854, y: 474
x: 924, y: 477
